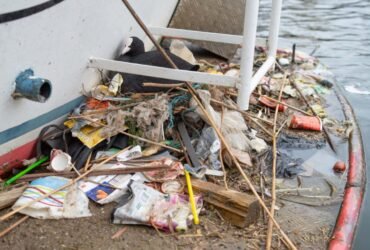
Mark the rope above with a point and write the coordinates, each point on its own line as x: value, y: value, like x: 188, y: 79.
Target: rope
x: 176, y: 101
x: 172, y: 104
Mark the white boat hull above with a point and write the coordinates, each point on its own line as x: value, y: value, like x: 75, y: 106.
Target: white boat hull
x: 57, y: 43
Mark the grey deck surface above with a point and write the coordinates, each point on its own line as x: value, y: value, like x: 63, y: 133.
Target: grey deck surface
x: 220, y: 16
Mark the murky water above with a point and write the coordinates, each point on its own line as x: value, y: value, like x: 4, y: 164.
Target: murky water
x: 340, y: 30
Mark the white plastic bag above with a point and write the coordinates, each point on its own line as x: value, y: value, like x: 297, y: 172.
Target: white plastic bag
x: 67, y: 203
x: 233, y: 124
x: 147, y: 206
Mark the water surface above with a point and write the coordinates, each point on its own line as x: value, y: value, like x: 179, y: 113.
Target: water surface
x: 340, y: 30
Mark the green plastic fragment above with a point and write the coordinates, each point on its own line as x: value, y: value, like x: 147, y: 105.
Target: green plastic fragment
x: 28, y: 169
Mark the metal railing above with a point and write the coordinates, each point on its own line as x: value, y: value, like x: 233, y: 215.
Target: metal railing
x: 246, y: 82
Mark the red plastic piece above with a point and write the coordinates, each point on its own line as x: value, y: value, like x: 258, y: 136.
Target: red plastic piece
x: 305, y: 122
x: 271, y: 103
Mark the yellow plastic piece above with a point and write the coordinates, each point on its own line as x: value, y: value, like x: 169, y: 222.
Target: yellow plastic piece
x: 88, y: 135
x: 191, y: 198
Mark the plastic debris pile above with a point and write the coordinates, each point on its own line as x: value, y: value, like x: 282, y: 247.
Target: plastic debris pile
x: 134, y: 149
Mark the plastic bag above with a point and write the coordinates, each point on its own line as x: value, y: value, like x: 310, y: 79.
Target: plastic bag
x: 162, y: 175
x: 233, y: 124
x: 147, y: 206
x: 234, y: 129
x: 131, y: 154
x: 208, y: 147
x: 67, y: 203
x: 205, y: 98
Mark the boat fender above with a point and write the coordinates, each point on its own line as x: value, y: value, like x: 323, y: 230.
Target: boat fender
x: 29, y: 86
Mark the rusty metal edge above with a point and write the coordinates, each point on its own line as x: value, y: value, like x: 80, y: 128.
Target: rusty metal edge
x: 347, y: 220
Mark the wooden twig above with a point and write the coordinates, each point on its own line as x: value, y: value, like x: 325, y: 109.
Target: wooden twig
x: 134, y: 136
x: 91, y: 181
x: 162, y: 85
x: 233, y: 158
x: 278, y: 65
x: 119, y: 233
x: 248, y: 115
x: 91, y: 172
x: 8, y: 215
x: 284, y: 190
x: 198, y: 234
x: 314, y: 112
x: 273, y: 182
x: 8, y: 197
x: 261, y: 126
x: 287, y: 105
x: 262, y: 189
x: 220, y: 154
x: 103, y: 184
x: 75, y: 170
x: 207, y: 63
x: 281, y: 127
x: 99, y: 111
x: 219, y: 215
x: 210, y: 119
x: 156, y: 229
x: 11, y: 227
x: 88, y: 162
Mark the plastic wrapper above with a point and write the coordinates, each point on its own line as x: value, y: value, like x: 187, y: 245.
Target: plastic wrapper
x: 115, y: 84
x: 88, y: 135
x: 131, y: 154
x: 162, y: 175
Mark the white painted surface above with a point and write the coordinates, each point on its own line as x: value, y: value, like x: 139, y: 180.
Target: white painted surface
x: 247, y: 58
x: 247, y: 82
x: 261, y: 72
x: 202, y: 35
x: 274, y: 26
x: 161, y: 72
x: 14, y: 5
x: 56, y: 43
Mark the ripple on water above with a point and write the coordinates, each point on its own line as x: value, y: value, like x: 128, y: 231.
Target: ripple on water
x: 341, y: 29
